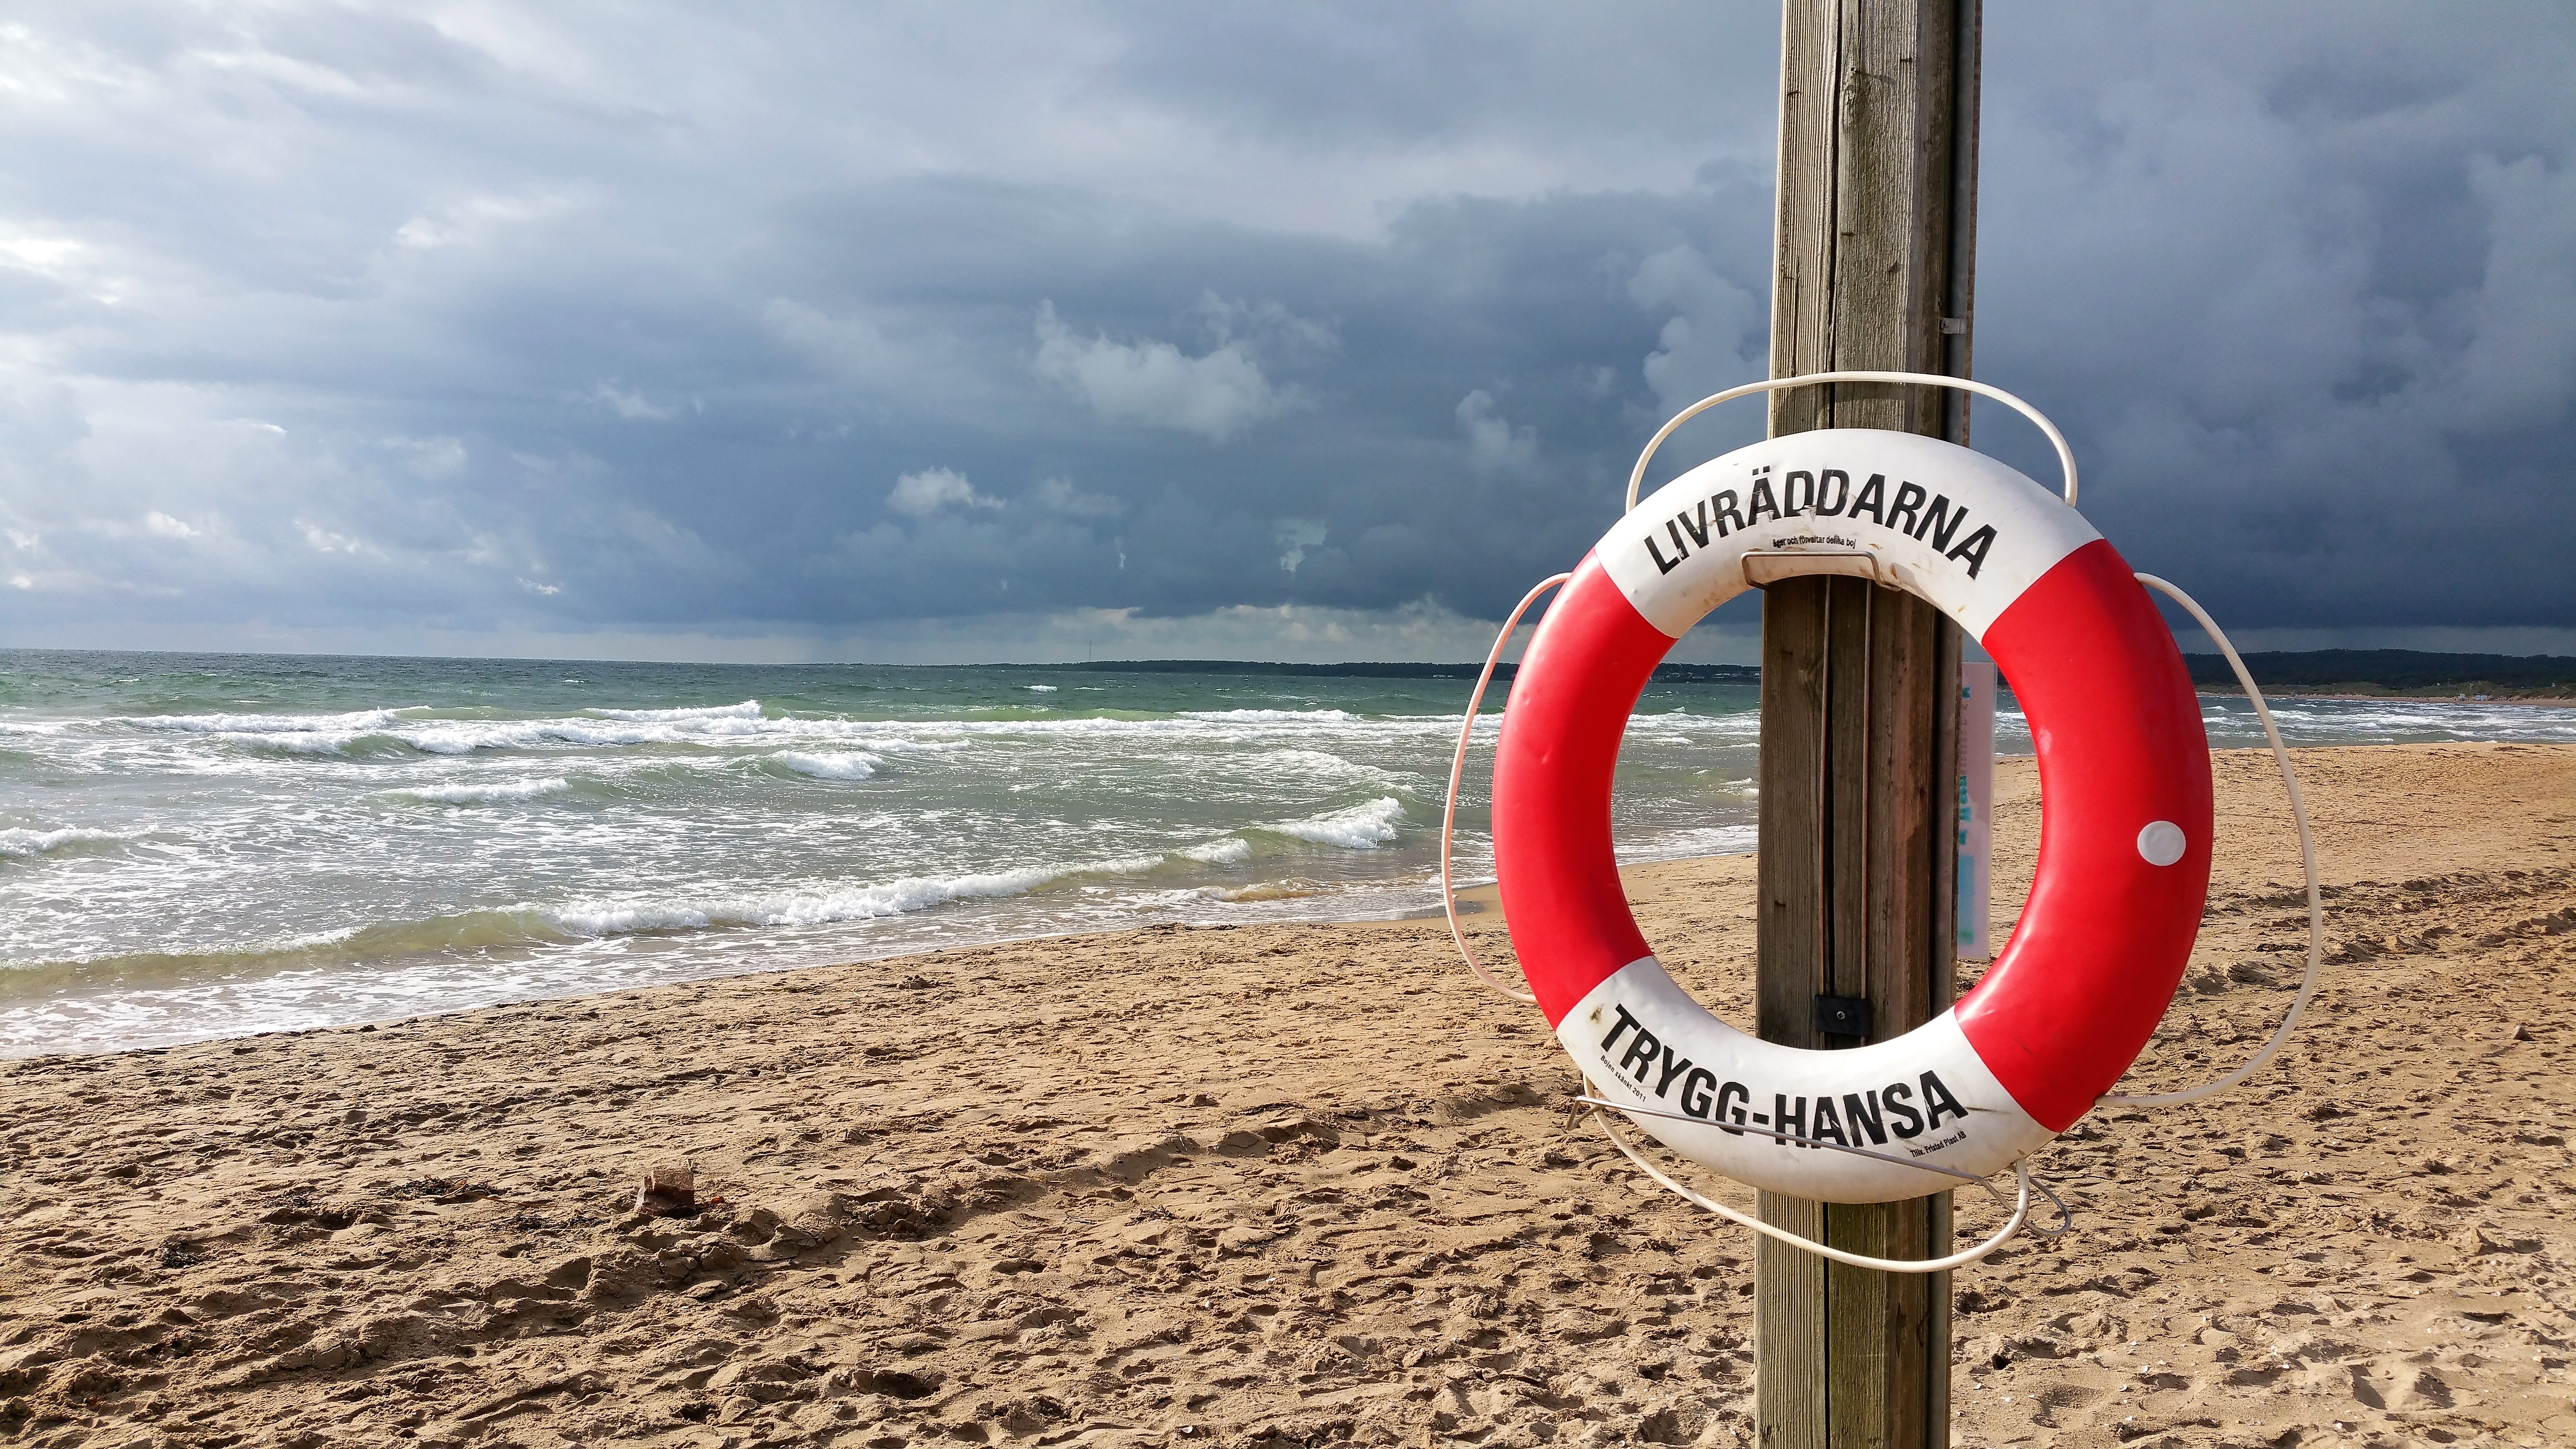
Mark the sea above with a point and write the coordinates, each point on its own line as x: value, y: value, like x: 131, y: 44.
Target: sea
x: 197, y: 846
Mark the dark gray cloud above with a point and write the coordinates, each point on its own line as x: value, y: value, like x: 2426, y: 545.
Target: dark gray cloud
x: 1318, y: 330
x: 2302, y: 284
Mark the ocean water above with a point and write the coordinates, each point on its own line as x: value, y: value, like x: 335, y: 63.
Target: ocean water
x: 195, y: 846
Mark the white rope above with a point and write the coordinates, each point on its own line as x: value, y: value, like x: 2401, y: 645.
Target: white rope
x: 2307, y: 863
x: 1960, y: 1259
x: 2065, y: 455
x: 1458, y: 769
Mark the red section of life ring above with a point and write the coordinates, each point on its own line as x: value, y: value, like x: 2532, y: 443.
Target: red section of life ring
x: 1577, y: 684
x: 2106, y: 932
x: 2124, y: 771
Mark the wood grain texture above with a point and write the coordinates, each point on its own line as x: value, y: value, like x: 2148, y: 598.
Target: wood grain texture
x: 1875, y: 237
x: 1790, y: 1310
x: 1849, y: 615
x: 1789, y: 806
x: 1790, y: 1305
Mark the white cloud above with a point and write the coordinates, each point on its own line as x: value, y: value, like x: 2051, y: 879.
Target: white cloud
x: 479, y: 218
x: 1059, y: 495
x: 162, y: 524
x: 1294, y: 536
x: 429, y: 457
x: 544, y: 590
x: 1419, y: 629
x: 1716, y: 336
x: 87, y: 267
x: 39, y: 253
x: 854, y: 347
x: 2521, y: 369
x: 932, y: 489
x: 1269, y: 324
x: 1214, y: 395
x: 323, y: 540
x: 633, y: 406
x: 1493, y: 444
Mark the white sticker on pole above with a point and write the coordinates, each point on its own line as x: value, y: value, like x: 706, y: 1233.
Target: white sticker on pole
x: 1976, y: 826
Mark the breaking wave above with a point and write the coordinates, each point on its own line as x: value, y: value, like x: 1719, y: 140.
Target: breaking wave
x: 351, y: 723
x: 748, y: 709
x: 1361, y: 827
x: 496, y: 793
x: 20, y: 844
x: 830, y: 764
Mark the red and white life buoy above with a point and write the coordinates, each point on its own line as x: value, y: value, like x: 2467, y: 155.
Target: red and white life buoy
x: 2126, y: 815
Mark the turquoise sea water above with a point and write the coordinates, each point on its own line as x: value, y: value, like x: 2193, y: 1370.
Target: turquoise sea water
x: 209, y: 845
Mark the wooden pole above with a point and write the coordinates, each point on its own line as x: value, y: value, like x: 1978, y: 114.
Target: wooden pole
x: 1878, y: 106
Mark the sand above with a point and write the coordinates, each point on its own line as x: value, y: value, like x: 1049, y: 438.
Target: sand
x: 1304, y: 1184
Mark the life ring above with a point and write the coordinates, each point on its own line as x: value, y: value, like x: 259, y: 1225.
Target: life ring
x: 2123, y: 868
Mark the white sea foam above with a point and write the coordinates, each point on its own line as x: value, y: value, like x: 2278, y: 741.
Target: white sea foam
x: 1272, y: 716
x: 1706, y: 840
x: 748, y: 709
x: 294, y: 742
x: 1233, y: 850
x: 819, y: 908
x: 734, y: 725
x: 1361, y: 827
x: 1322, y: 763
x: 720, y: 726
x: 493, y: 792
x: 1041, y: 689
x: 1678, y: 726
x: 464, y: 737
x: 829, y: 764
x: 351, y: 722
x: 22, y: 844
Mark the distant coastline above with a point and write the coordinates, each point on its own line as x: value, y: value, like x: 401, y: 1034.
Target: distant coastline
x: 2326, y: 673
x: 1664, y: 673
x: 2394, y: 674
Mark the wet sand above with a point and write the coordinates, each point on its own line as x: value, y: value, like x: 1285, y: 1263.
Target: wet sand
x: 1306, y: 1185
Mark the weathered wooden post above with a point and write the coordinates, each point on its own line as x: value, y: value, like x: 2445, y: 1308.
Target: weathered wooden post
x: 1878, y: 125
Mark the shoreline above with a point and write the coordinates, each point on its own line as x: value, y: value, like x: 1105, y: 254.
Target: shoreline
x: 1480, y: 911
x: 1278, y: 1185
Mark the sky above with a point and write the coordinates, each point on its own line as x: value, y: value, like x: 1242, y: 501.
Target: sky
x: 922, y: 333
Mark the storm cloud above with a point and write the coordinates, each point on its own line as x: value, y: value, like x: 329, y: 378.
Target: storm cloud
x: 1310, y: 332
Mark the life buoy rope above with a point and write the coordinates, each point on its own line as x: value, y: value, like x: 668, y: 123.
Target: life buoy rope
x: 2079, y: 989
x: 1458, y: 768
x: 2307, y: 867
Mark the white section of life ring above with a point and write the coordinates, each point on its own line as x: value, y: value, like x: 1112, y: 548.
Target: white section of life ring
x: 1958, y: 529
x: 1925, y: 1095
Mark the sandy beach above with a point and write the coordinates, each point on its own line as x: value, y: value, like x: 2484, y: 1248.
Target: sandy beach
x: 1307, y: 1184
